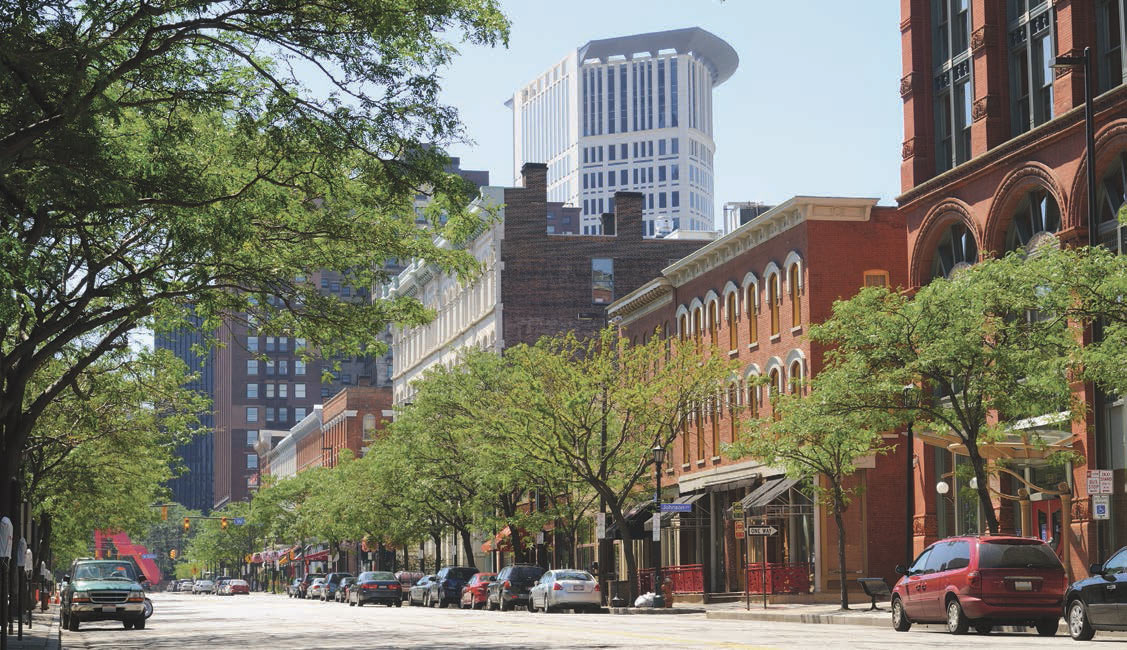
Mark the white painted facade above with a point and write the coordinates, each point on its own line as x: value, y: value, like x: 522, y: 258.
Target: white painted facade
x: 628, y: 113
x: 282, y: 459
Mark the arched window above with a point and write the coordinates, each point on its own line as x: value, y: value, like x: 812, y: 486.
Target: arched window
x: 733, y: 331
x: 684, y: 329
x: 796, y: 377
x: 1036, y: 217
x: 697, y: 326
x: 717, y: 411
x: 700, y: 431
x: 752, y: 399
x: 795, y: 301
x: 955, y: 251
x: 752, y: 309
x: 773, y: 299
x: 713, y: 323
x: 1111, y: 197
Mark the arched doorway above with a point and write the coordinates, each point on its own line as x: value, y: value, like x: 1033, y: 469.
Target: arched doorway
x: 956, y: 250
x: 1111, y: 195
x: 1036, y: 216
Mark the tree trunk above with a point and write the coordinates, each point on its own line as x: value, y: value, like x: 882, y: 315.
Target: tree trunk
x: 467, y: 547
x: 437, y: 539
x: 839, y: 507
x: 978, y: 463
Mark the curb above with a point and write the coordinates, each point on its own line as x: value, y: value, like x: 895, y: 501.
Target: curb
x: 659, y: 611
x: 816, y: 619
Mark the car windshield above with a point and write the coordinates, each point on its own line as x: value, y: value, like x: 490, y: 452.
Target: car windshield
x: 377, y: 575
x: 459, y: 573
x: 104, y: 571
x: 1016, y: 555
x: 238, y: 583
x: 526, y: 572
x: 574, y: 575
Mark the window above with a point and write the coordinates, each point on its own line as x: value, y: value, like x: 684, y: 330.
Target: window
x: 686, y: 418
x: 661, y: 147
x: 252, y: 344
x: 661, y: 172
x: 697, y: 324
x: 796, y: 377
x: 299, y: 391
x: 793, y: 277
x: 1032, y: 53
x: 252, y: 366
x: 269, y: 343
x: 713, y: 322
x: 298, y: 367
x: 283, y: 390
x: 270, y: 367
x: 369, y: 423
x: 269, y: 413
x: 956, y: 250
x: 346, y: 378
x: 269, y: 391
x: 752, y: 310
x: 775, y: 386
x: 875, y: 278
x: 299, y: 413
x: 610, y: 175
x: 283, y: 367
x: 283, y: 343
x: 733, y: 405
x: 283, y: 415
x: 752, y: 400
x: 252, y: 437
x: 674, y: 144
x: 715, y: 417
x: 252, y: 461
x: 674, y: 172
x: 661, y: 198
x: 298, y: 345
x: 252, y: 391
x: 733, y: 331
x: 1111, y: 197
x: 602, y: 281
x: 954, y: 91
x: 1036, y: 215
x: 252, y: 414
x: 1109, y: 44
x: 683, y: 330
x: 700, y: 430
x: 773, y: 300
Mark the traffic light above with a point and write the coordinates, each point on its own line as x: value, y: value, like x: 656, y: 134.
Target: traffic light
x: 164, y: 513
x: 223, y: 523
x: 172, y: 554
x: 187, y: 524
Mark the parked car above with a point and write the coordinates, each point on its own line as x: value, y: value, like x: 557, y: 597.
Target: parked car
x: 203, y: 587
x: 572, y: 589
x: 447, y: 586
x: 237, y: 586
x: 315, y: 588
x: 306, y: 581
x: 103, y: 590
x: 981, y: 582
x: 186, y: 585
x: 406, y: 580
x: 293, y: 590
x: 1098, y: 602
x: 419, y: 591
x: 173, y: 586
x: 332, y: 583
x: 220, y: 585
x: 512, y: 585
x: 341, y: 595
x: 375, y: 587
x: 476, y: 591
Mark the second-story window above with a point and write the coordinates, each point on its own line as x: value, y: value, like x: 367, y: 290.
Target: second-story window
x: 954, y: 92
x: 602, y: 281
x: 712, y: 323
x: 795, y: 295
x: 773, y: 300
x: 750, y: 299
x: 1109, y: 43
x: 733, y: 332
x: 1032, y: 53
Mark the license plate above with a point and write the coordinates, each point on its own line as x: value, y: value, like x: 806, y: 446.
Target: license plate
x: 109, y: 610
x: 1023, y: 585
x: 577, y: 587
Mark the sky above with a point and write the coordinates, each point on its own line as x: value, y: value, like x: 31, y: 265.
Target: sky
x: 813, y: 108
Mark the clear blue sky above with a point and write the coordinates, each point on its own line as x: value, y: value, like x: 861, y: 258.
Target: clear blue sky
x: 814, y: 107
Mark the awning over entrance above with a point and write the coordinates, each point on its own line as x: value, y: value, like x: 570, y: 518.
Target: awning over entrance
x: 1031, y: 439
x: 683, y: 499
x: 500, y: 541
x: 635, y: 518
x: 766, y: 493
x: 319, y: 556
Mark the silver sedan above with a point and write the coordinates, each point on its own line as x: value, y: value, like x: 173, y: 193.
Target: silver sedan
x: 565, y: 589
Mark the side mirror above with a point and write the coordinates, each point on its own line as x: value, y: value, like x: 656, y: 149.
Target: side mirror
x: 1096, y: 569
x: 901, y: 570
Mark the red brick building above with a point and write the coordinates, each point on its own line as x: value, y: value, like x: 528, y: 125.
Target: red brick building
x: 352, y: 418
x: 750, y: 295
x: 994, y: 159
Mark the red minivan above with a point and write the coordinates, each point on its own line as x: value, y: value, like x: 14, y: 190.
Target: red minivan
x: 981, y: 582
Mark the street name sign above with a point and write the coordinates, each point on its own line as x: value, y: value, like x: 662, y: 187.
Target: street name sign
x: 239, y: 521
x: 676, y: 507
x: 149, y: 556
x: 766, y: 531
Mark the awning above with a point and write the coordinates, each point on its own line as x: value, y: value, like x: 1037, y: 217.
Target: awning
x: 319, y: 556
x: 684, y: 498
x: 635, y: 518
x: 768, y: 492
x: 502, y: 541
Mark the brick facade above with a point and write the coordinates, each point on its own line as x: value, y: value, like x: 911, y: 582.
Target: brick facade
x: 350, y: 418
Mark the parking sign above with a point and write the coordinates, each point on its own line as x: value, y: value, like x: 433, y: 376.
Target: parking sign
x: 1101, y: 506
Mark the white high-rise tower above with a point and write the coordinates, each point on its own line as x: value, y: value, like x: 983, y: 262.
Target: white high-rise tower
x: 628, y: 113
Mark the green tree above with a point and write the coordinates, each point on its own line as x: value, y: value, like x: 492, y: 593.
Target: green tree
x: 811, y: 435
x: 156, y: 156
x: 976, y: 344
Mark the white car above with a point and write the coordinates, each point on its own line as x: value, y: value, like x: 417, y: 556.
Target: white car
x: 203, y: 587
x: 565, y: 589
x: 315, y: 588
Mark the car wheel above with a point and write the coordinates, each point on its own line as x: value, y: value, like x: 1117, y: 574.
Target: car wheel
x: 983, y: 628
x: 957, y: 622
x: 1048, y: 626
x: 359, y: 602
x: 503, y: 606
x: 72, y: 623
x: 399, y: 603
x: 127, y: 625
x: 1079, y: 627
x: 139, y: 624
x: 442, y: 603
x: 900, y: 621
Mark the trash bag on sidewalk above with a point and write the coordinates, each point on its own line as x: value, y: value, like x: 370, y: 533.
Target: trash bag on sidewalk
x: 645, y: 600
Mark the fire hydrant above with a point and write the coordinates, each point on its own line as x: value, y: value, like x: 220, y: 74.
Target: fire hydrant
x: 667, y: 591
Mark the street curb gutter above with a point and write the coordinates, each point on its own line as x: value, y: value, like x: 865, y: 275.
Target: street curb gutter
x: 656, y: 610
x: 828, y: 619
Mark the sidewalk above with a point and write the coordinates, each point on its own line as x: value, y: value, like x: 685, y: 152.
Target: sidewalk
x: 858, y: 614
x: 44, y: 632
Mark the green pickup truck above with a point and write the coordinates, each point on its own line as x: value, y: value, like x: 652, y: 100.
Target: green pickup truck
x: 103, y: 590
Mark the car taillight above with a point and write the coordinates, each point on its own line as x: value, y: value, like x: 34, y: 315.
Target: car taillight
x: 557, y: 586
x: 507, y: 584
x: 596, y: 586
x: 974, y: 580
x: 394, y: 585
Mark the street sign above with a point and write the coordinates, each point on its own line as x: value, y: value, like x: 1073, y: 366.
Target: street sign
x: 739, y: 529
x: 1101, y: 506
x: 657, y: 526
x: 766, y: 531
x: 600, y: 525
x: 239, y: 521
x: 738, y: 510
x: 1100, y: 481
x: 676, y: 507
x: 148, y: 556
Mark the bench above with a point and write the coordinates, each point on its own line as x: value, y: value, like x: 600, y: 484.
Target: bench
x: 875, y: 588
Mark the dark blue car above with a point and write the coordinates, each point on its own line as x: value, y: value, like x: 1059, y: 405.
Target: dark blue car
x: 447, y: 586
x: 1100, y: 601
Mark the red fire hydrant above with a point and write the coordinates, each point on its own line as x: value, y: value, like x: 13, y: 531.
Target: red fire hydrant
x: 667, y: 591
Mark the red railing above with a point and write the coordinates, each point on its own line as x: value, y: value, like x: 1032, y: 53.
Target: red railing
x: 782, y: 577
x: 686, y: 578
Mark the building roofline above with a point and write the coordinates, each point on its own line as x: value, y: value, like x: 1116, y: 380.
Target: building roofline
x: 717, y: 53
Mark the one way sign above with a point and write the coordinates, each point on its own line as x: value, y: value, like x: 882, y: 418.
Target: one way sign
x: 762, y: 531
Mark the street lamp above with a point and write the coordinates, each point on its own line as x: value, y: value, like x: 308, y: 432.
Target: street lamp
x: 659, y: 457
x: 909, y: 498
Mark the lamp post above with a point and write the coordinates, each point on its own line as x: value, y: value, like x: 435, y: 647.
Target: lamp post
x: 909, y: 495
x: 659, y: 596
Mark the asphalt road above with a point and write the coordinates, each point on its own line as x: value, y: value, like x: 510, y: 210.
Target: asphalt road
x: 266, y: 621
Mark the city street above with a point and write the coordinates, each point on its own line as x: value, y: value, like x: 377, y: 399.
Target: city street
x: 264, y: 621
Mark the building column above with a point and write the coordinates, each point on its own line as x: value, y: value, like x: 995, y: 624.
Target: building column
x: 990, y: 119
x: 1075, y: 30
x: 917, y: 151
